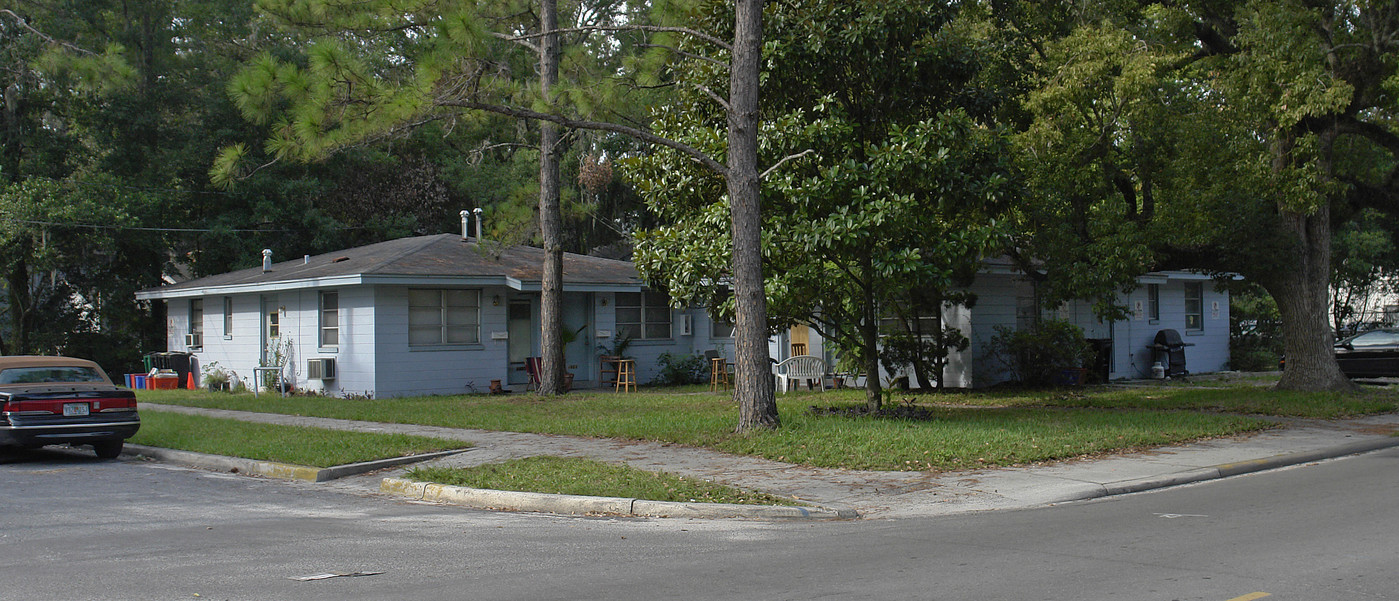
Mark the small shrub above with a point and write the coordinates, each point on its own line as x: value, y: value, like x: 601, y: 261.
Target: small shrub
x: 1038, y: 355
x: 677, y: 370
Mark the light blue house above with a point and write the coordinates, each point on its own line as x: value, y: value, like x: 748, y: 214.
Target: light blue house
x: 1183, y: 301
x: 444, y: 314
x: 437, y: 314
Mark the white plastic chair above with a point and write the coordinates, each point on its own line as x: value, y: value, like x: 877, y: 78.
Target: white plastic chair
x: 800, y: 367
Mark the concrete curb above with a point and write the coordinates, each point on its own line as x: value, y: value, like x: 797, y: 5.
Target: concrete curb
x: 585, y: 505
x: 1225, y: 470
x: 272, y: 469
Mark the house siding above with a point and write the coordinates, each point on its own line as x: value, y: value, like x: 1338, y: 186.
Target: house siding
x: 999, y: 298
x: 1000, y: 295
x: 406, y: 371
x: 1135, y: 334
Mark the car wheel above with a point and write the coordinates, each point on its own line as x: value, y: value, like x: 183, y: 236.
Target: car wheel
x: 108, y: 450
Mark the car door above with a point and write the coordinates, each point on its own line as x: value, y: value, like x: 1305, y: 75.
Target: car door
x: 1370, y: 355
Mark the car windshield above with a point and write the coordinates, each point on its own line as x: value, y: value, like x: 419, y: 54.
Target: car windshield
x: 1376, y: 338
x: 58, y: 374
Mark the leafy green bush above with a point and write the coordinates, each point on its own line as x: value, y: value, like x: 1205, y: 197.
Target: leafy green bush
x: 1038, y: 355
x: 677, y: 370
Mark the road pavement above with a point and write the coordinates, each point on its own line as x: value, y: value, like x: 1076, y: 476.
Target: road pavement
x: 76, y: 528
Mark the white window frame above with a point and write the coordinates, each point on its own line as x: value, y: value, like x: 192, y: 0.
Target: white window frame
x: 653, y: 310
x: 455, y: 324
x: 1153, y: 303
x: 328, y: 323
x: 196, y: 320
x: 228, y: 317
x: 1194, y: 306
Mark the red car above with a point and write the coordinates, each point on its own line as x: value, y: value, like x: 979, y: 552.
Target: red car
x: 61, y: 400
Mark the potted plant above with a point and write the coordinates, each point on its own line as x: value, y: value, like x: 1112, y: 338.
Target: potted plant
x: 613, y: 353
x: 618, y: 348
x: 568, y: 336
x: 216, y: 378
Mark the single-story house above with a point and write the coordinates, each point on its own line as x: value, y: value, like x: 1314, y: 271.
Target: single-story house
x: 1183, y: 301
x: 442, y: 314
x: 437, y: 314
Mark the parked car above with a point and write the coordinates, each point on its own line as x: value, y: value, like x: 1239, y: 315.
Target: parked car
x: 58, y: 400
x: 1373, y: 354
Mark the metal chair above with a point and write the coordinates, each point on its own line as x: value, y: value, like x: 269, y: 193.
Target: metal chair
x: 533, y: 368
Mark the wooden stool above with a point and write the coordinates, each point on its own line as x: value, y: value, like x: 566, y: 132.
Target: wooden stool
x: 626, y: 376
x: 719, y: 374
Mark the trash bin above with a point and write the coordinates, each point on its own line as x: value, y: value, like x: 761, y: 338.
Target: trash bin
x: 1101, y: 367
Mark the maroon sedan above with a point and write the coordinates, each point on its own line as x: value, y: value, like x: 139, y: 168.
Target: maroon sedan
x: 60, y: 400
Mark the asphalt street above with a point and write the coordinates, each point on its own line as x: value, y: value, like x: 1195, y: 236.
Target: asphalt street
x: 76, y: 528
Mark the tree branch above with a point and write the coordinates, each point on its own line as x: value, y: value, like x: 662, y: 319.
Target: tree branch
x: 517, y: 39
x: 715, y: 97
x: 685, y: 30
x: 633, y: 132
x: 690, y: 55
x: 784, y: 160
x: 24, y: 23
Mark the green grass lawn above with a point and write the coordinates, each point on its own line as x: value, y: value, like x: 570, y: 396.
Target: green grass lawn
x: 969, y: 429
x: 314, y: 447
x: 573, y: 476
x: 1237, y: 399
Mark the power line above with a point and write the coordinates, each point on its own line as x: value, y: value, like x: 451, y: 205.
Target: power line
x: 133, y: 228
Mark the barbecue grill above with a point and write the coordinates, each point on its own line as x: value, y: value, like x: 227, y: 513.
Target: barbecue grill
x: 1169, y: 349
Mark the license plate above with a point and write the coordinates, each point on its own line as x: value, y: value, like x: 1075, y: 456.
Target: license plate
x: 75, y: 409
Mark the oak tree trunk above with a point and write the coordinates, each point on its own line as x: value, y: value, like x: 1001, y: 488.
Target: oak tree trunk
x: 1303, y: 302
x: 753, y: 381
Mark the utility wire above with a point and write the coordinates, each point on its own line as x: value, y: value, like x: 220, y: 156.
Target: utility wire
x: 152, y: 229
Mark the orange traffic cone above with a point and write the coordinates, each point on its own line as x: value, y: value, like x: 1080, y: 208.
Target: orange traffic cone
x: 191, y: 381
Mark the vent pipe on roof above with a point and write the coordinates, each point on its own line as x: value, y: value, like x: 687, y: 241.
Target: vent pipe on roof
x: 266, y: 260
x: 478, y: 213
x: 465, y: 225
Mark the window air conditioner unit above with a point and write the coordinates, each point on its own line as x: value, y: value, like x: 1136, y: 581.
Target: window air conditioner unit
x: 194, y: 340
x: 687, y: 325
x: 320, y: 369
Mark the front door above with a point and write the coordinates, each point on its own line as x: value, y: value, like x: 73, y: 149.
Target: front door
x: 578, y: 353
x: 520, y: 325
x: 271, y: 330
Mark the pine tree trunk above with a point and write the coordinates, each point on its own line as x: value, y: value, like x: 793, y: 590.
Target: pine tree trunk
x: 20, y: 302
x: 1302, y: 294
x: 753, y: 381
x: 551, y: 284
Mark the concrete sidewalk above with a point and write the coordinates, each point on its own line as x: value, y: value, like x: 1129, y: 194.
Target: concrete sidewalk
x: 882, y: 494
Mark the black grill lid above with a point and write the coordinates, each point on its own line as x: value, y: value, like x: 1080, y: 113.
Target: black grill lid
x: 1169, y: 338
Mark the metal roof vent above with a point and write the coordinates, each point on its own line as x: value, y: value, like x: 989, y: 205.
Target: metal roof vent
x: 266, y: 260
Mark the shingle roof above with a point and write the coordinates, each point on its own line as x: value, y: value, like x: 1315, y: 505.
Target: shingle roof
x: 441, y: 258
